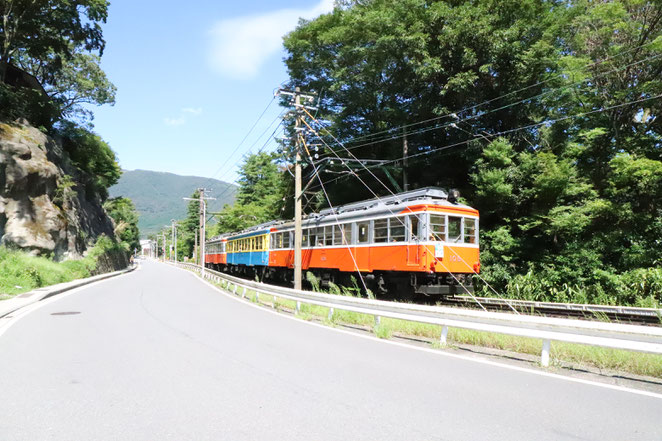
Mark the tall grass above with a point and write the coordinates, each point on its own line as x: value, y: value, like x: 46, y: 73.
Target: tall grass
x: 21, y: 272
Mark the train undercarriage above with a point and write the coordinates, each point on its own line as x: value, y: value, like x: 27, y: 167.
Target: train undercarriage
x: 391, y: 285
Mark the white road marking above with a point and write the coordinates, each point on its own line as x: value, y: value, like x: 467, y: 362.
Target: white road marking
x: 12, y: 318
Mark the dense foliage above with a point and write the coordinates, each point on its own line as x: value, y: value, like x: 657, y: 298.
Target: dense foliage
x: 49, y: 67
x: 259, y: 197
x: 125, y: 219
x: 545, y: 114
x: 21, y: 272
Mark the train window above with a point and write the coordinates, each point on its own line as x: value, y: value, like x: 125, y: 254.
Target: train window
x: 279, y: 240
x: 414, y: 223
x: 380, y: 232
x: 454, y: 229
x: 363, y: 230
x: 469, y: 230
x: 328, y: 235
x: 286, y: 239
x: 320, y: 236
x: 438, y: 227
x: 347, y: 238
x: 304, y: 237
x: 338, y: 234
x: 397, y: 230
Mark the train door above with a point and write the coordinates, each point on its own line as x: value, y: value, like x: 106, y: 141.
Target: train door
x: 414, y: 226
x: 362, y: 250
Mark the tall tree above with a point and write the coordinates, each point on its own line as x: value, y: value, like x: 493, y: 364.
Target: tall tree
x: 260, y: 195
x: 50, y: 30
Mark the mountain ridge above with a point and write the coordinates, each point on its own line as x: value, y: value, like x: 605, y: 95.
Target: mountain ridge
x: 158, y: 195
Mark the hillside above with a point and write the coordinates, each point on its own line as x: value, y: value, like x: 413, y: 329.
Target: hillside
x: 158, y: 195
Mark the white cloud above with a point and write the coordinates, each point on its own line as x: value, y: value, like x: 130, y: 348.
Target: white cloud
x: 181, y: 119
x: 174, y: 121
x: 193, y: 111
x: 239, y: 46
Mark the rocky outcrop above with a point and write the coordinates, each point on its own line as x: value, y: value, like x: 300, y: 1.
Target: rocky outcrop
x: 44, y: 207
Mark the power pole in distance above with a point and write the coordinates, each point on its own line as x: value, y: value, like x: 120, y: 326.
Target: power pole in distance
x: 298, y: 127
x: 203, y: 224
x: 174, y: 236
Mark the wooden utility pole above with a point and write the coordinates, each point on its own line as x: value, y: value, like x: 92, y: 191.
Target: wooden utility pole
x: 195, y: 248
x: 299, y: 145
x: 405, y: 154
x: 297, y: 191
x: 201, y: 192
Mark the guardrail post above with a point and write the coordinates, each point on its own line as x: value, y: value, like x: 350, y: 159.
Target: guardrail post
x: 444, y: 336
x: 378, y: 320
x: 298, y: 308
x: 273, y: 305
x: 330, y: 316
x: 234, y: 291
x: 243, y: 293
x: 257, y: 297
x: 544, y: 357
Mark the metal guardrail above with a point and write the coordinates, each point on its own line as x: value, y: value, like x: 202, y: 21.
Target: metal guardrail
x: 609, y: 335
x: 632, y: 311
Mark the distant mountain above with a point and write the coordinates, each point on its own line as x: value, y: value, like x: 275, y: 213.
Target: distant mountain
x: 158, y: 195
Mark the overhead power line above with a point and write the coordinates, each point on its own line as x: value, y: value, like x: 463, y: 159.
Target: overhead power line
x: 475, y: 106
x: 505, y: 132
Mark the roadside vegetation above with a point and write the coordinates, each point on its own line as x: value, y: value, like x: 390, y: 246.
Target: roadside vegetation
x: 20, y: 272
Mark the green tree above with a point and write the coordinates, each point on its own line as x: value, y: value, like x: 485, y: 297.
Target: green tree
x: 260, y: 195
x: 91, y: 154
x: 125, y: 219
x: 49, y: 30
x: 569, y: 195
x: 189, y: 227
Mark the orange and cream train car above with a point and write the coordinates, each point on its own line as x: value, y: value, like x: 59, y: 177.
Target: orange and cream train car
x: 414, y: 243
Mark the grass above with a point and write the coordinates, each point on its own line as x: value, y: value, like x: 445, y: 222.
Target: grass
x: 561, y: 353
x: 21, y: 272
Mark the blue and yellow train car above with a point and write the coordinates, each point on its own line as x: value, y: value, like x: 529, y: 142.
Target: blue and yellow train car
x: 250, y: 249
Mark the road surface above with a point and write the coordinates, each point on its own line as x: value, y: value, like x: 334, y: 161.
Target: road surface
x: 159, y: 355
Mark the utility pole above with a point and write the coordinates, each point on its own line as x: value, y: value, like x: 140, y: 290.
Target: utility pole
x: 195, y: 248
x: 405, y: 154
x: 174, y: 236
x: 299, y: 144
x: 203, y: 225
x: 297, y: 192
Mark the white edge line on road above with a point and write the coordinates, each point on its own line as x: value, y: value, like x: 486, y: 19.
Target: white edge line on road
x: 430, y: 350
x: 14, y: 317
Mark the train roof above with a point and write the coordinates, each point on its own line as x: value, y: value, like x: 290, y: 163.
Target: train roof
x: 393, y: 204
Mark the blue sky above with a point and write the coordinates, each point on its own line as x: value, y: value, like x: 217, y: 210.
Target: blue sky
x: 192, y: 78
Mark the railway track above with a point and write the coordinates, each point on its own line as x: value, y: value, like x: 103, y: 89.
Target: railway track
x: 620, y: 314
x: 607, y: 313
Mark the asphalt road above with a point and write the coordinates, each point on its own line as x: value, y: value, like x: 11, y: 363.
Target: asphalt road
x: 159, y: 355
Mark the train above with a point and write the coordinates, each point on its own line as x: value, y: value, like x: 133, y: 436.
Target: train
x: 420, y: 243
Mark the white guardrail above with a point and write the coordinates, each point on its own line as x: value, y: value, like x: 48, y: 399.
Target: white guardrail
x: 609, y: 335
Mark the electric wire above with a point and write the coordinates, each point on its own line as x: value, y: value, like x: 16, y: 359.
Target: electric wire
x: 475, y: 106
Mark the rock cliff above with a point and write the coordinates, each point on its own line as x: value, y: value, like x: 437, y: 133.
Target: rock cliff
x: 44, y: 205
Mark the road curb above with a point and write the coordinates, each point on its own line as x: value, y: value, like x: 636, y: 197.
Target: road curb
x: 34, y: 296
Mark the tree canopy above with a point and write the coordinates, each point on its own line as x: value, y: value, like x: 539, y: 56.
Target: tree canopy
x: 260, y: 195
x: 545, y: 114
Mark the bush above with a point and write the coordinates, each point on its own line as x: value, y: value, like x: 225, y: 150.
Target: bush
x: 20, y: 272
